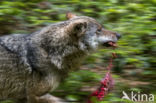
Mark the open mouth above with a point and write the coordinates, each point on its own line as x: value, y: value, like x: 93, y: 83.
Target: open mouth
x: 110, y: 44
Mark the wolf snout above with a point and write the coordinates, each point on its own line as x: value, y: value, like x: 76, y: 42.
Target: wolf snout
x: 118, y: 35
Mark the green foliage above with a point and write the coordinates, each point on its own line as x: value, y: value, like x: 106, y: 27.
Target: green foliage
x: 75, y: 82
x: 134, y: 19
x: 7, y: 101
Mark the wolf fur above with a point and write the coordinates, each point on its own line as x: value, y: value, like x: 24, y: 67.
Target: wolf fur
x: 32, y: 65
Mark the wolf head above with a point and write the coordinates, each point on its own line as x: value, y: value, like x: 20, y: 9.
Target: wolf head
x: 69, y: 41
x: 79, y: 32
x: 90, y: 33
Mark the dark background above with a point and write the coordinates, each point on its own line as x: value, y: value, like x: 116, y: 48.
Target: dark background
x: 134, y: 69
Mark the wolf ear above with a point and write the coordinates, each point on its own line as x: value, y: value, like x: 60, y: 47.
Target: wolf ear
x: 79, y: 28
x: 70, y: 15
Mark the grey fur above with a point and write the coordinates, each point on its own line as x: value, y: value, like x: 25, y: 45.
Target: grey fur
x: 32, y: 65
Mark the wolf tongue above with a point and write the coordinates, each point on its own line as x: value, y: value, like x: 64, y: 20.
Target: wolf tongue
x: 112, y: 44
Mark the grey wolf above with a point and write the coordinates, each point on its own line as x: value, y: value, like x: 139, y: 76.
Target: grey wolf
x: 32, y: 65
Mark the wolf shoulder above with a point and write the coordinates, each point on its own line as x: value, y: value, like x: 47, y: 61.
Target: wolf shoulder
x: 11, y: 48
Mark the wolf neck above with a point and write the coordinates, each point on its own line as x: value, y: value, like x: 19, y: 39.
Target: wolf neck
x: 66, y: 57
x: 67, y: 60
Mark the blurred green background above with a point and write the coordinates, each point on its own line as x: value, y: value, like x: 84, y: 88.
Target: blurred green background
x: 134, y: 69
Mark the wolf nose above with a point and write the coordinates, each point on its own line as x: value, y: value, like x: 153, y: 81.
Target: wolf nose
x: 118, y: 35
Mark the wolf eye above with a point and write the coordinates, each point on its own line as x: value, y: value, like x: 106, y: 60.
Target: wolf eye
x: 98, y: 30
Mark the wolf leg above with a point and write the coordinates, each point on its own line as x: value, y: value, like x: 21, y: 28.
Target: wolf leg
x: 45, y: 99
